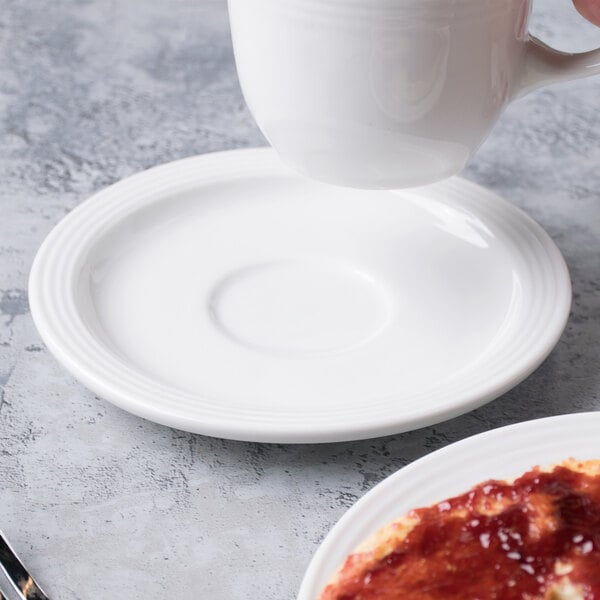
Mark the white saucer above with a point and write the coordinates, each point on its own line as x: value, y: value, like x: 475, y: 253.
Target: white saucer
x: 226, y: 295
x: 503, y: 453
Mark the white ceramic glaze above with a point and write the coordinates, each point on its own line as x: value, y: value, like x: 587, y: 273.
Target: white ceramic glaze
x: 227, y: 295
x: 503, y: 453
x: 387, y: 93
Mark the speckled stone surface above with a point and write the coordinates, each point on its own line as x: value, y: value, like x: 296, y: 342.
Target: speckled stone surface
x: 102, y: 504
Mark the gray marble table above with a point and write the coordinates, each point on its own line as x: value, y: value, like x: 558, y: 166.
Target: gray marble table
x: 103, y: 504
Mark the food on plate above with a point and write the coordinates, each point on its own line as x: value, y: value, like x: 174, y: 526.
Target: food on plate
x: 535, y: 537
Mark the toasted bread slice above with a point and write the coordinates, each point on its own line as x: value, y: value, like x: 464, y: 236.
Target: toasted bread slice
x: 533, y: 538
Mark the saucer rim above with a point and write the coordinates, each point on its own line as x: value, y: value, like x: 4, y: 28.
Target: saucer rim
x: 45, y: 298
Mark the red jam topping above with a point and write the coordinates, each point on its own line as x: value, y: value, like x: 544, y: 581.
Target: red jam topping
x: 499, y: 540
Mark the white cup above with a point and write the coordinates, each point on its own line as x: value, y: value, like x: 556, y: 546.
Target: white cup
x: 387, y: 93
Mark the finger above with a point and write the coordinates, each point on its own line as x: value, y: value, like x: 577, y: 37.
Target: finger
x: 590, y: 9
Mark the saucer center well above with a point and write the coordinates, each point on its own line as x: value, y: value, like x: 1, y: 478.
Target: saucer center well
x: 299, y: 307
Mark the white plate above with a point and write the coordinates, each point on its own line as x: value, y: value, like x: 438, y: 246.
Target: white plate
x: 226, y: 295
x: 499, y: 454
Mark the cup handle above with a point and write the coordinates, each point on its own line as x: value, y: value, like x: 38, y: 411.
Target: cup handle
x: 544, y: 65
